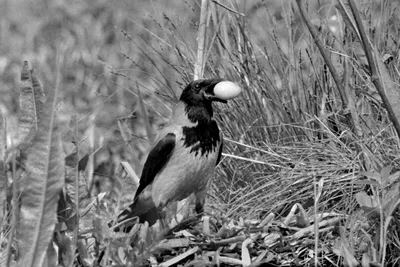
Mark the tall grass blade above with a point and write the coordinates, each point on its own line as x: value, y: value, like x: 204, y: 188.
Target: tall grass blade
x: 145, y: 116
x: 389, y: 86
x: 344, y: 9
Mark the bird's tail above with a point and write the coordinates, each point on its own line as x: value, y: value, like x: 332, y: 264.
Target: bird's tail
x: 143, y: 207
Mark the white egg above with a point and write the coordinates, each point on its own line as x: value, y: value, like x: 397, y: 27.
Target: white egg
x: 226, y: 90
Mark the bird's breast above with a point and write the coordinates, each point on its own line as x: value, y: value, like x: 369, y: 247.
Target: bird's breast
x: 191, y: 165
x: 202, y: 139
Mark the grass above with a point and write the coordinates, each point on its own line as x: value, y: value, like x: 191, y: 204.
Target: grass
x: 309, y: 174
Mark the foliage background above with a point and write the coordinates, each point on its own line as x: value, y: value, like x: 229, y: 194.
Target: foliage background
x: 289, y: 127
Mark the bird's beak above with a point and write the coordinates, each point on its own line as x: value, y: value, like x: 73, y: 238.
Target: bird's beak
x: 209, y: 90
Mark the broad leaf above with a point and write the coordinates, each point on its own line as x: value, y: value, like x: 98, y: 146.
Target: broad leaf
x: 27, y: 123
x: 391, y: 199
x: 40, y: 189
x: 31, y: 101
x: 3, y: 176
x: 39, y: 96
x: 342, y: 249
x: 368, y: 204
x: 385, y: 174
x: 372, y: 175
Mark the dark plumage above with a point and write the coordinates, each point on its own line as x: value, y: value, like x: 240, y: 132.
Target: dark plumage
x: 184, y: 157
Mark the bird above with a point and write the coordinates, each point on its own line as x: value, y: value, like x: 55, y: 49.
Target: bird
x: 185, y: 155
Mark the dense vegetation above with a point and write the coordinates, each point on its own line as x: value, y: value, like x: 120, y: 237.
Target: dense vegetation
x: 310, y: 168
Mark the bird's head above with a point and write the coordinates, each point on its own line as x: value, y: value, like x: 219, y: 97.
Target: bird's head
x: 204, y: 91
x: 198, y: 95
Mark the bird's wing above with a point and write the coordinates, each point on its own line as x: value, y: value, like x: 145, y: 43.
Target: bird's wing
x: 220, y: 152
x: 156, y: 160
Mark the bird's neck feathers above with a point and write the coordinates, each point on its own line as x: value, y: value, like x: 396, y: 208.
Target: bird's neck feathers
x: 194, y: 114
x: 200, y: 132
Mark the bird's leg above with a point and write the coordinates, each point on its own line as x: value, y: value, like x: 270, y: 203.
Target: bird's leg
x: 162, y: 223
x: 200, y: 200
x: 162, y: 218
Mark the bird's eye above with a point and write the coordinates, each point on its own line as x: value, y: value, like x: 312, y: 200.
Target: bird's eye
x: 197, y: 86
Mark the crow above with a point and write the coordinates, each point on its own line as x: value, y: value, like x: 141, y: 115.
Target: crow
x: 185, y: 153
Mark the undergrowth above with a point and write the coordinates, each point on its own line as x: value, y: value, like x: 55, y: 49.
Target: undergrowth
x: 309, y: 174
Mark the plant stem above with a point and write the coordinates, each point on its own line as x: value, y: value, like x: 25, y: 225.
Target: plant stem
x: 324, y: 54
x: 199, y: 65
x: 375, y: 78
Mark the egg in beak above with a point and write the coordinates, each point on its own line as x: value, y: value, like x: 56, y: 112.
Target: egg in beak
x: 222, y: 90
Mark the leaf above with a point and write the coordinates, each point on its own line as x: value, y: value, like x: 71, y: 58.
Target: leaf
x: 394, y: 178
x: 368, y: 204
x: 385, y: 174
x: 93, y: 203
x: 39, y: 96
x: 51, y: 258
x: 180, y: 257
x: 27, y: 120
x: 366, y: 260
x: 128, y: 176
x: 343, y: 7
x: 389, y: 85
x: 391, y: 199
x: 83, y: 163
x: 66, y: 211
x: 246, y: 259
x: 366, y: 182
x: 170, y: 244
x: 372, y: 175
x: 44, y: 179
x: 342, y: 249
x: 70, y: 178
x: 320, y: 187
x: 71, y: 161
x: 83, y: 254
x: 3, y: 176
